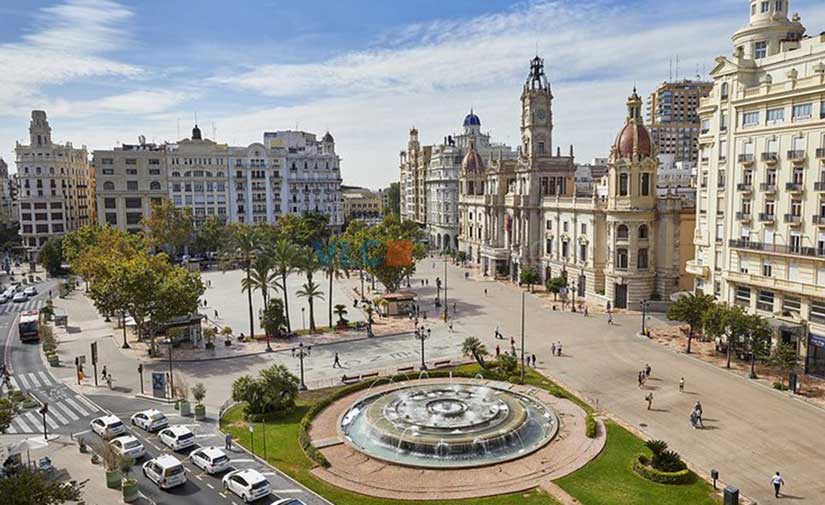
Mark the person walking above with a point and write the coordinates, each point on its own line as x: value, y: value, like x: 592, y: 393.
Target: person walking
x: 103, y: 372
x: 585, y: 311
x: 559, y: 348
x: 336, y: 362
x: 553, y: 349
x: 534, y: 360
x: 485, y: 291
x: 451, y: 326
x: 649, y: 400
x: 216, y: 314
x: 610, y: 318
x: 498, y: 351
x: 228, y: 441
x: 647, y: 371
x: 682, y: 385
x: 777, y: 482
x: 512, y: 342
x: 454, y: 308
x: 204, y: 302
x: 641, y: 378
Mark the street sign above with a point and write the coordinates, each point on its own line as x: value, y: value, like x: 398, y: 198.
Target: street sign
x: 94, y: 353
x: 158, y: 384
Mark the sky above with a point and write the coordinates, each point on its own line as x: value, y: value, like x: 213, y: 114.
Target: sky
x: 107, y: 71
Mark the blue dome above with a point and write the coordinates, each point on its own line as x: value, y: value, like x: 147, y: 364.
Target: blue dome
x: 472, y: 119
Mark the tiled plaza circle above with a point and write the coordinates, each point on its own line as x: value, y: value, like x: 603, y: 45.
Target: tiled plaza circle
x: 560, y: 451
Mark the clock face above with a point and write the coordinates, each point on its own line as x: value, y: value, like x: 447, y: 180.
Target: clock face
x: 541, y: 115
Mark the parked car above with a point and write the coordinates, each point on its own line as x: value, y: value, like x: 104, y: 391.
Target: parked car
x: 210, y: 459
x: 128, y: 446
x: 108, y: 426
x: 166, y: 471
x: 3, y: 298
x: 20, y: 297
x: 30, y: 291
x: 150, y: 420
x: 177, y: 437
x: 248, y: 484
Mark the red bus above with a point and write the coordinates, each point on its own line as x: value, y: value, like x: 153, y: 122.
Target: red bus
x: 29, y: 325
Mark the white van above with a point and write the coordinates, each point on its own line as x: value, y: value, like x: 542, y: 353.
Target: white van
x: 166, y: 471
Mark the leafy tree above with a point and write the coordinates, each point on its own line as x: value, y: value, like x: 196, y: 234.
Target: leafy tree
x: 272, y: 392
x: 472, y: 346
x: 353, y: 253
x: 245, y: 243
x: 392, y: 248
x: 30, y: 487
x: 210, y: 235
x: 168, y: 228
x: 728, y: 322
x: 784, y: 358
x: 306, y: 230
x: 273, y: 320
x: 690, y: 310
x: 757, y: 339
x: 8, y: 409
x: 332, y: 266
x: 394, y: 199
x: 285, y: 258
x: 341, y: 311
x: 554, y: 286
x: 507, y: 364
x: 529, y: 276
x: 310, y: 290
x: 50, y: 256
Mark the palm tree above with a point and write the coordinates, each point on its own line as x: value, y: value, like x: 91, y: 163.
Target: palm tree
x: 332, y: 268
x: 690, y: 309
x: 472, y: 346
x: 285, y: 258
x: 245, y: 240
x: 262, y: 276
x: 341, y: 311
x: 310, y: 290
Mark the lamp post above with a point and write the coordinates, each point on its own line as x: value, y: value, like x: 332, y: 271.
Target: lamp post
x: 301, y: 352
x: 43, y: 411
x: 421, y: 335
x: 445, y: 290
x: 437, y: 292
x: 573, y: 308
x: 522, y: 337
x: 644, y: 315
x: 370, y: 310
x: 303, y: 320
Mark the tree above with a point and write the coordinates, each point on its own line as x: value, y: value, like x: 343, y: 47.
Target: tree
x: 554, y: 286
x: 472, y: 346
x: 285, y: 257
x: 8, y: 409
x: 353, y: 249
x: 394, y: 199
x: 30, y: 487
x: 392, y: 249
x: 690, y: 310
x: 210, y: 235
x: 245, y: 243
x: 728, y: 322
x: 310, y: 290
x: 272, y: 392
x: 784, y: 358
x: 341, y: 311
x: 757, y: 339
x: 306, y: 230
x: 529, y: 276
x: 50, y: 256
x: 330, y: 259
x: 261, y: 276
x: 273, y: 320
x: 168, y: 228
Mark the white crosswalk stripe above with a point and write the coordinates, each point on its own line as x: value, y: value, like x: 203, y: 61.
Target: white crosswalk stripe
x: 51, y: 422
x: 77, y: 407
x: 45, y: 378
x: 32, y: 378
x: 57, y: 414
x: 14, y: 383
x: 24, y: 384
x: 65, y: 410
x: 33, y: 419
x: 21, y: 424
x: 87, y: 403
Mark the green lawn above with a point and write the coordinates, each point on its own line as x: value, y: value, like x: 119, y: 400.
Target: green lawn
x: 610, y: 480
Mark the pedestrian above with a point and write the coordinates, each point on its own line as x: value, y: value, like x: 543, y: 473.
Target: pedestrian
x: 109, y: 381
x: 553, y: 349
x: 585, y: 311
x: 337, y: 362
x: 559, y: 348
x: 103, y: 373
x: 641, y: 378
x: 777, y: 482
x: 485, y: 291
x: 682, y: 385
x: 216, y: 313
x: 512, y: 342
x: 204, y: 302
x: 649, y: 400
x: 50, y: 293
x: 610, y: 318
x: 451, y: 326
x: 647, y: 370
x: 608, y: 306
x: 534, y: 360
x: 422, y: 282
x: 498, y: 351
x: 228, y: 441
x: 466, y: 275
x: 454, y: 308
x: 427, y: 282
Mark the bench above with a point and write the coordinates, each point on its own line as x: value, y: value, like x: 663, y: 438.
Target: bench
x: 356, y: 378
x: 442, y: 363
x: 369, y: 375
x: 349, y: 380
x: 406, y: 369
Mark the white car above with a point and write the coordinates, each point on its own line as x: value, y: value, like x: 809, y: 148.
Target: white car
x: 177, y: 437
x: 20, y: 297
x: 249, y: 484
x: 150, y: 420
x: 128, y: 446
x: 30, y: 291
x: 4, y: 298
x: 108, y: 426
x: 210, y: 459
x: 166, y: 471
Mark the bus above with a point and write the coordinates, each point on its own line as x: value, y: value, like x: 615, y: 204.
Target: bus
x: 29, y: 325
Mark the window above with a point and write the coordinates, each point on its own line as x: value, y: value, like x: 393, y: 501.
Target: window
x: 791, y: 306
x: 743, y: 296
x: 705, y: 126
x: 779, y: 5
x: 817, y: 311
x: 583, y: 252
x: 641, y: 261
x: 645, y: 184
x: 131, y: 185
x: 154, y: 171
x: 623, y: 185
x: 584, y: 228
x: 548, y: 225
x: 131, y: 161
x: 621, y: 258
x: 109, y: 203
x: 154, y: 161
x: 723, y: 122
x: 548, y: 246
x: 760, y: 50
x: 724, y: 91
x: 643, y: 232
x: 564, y: 226
x: 621, y: 232
x: 134, y: 203
x: 154, y: 186
x: 776, y: 116
x: 767, y: 270
x: 111, y: 218
x: 770, y: 207
x: 795, y: 243
x: 765, y: 7
x: 108, y: 171
x: 802, y: 111
x: 133, y: 218
x: 109, y: 186
x: 750, y: 119
x: 565, y: 249
x: 764, y: 301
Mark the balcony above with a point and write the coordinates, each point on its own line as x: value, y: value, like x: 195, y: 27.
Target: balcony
x: 764, y: 217
x: 819, y: 186
x: 793, y: 219
x: 744, y: 187
x: 772, y: 283
x: 820, y: 153
x: 770, y: 158
x: 812, y: 252
x: 767, y: 187
x: 746, y: 159
x: 745, y: 217
x: 796, y: 155
x: 694, y: 268
x: 794, y: 187
x: 819, y: 220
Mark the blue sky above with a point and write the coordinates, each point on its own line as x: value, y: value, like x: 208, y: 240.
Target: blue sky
x: 108, y: 71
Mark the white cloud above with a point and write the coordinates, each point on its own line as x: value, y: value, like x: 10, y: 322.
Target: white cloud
x: 135, y: 103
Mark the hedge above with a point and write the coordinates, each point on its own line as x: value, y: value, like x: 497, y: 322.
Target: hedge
x: 590, y: 426
x: 642, y: 468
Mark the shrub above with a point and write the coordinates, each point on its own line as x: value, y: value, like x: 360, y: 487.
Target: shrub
x: 669, y: 461
x: 590, y: 426
x: 780, y: 386
x: 641, y: 467
x: 656, y: 446
x: 199, y: 392
x: 271, y: 393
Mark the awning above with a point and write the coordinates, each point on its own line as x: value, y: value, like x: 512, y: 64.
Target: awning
x: 784, y: 325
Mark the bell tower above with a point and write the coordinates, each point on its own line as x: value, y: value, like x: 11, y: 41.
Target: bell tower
x: 40, y: 132
x: 536, y: 114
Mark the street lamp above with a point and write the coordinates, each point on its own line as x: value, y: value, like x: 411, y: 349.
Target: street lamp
x: 301, y: 352
x: 421, y: 336
x: 43, y: 411
x: 445, y: 290
x: 573, y: 309
x: 303, y: 320
x: 437, y: 292
x: 644, y: 315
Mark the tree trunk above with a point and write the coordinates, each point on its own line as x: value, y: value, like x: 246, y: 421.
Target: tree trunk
x: 251, y: 315
x: 330, y: 300
x: 690, y: 337
x: 730, y: 351
x: 361, y: 272
x: 311, y: 316
x: 286, y: 302
x: 753, y: 365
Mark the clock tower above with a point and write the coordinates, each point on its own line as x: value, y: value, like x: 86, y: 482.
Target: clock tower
x: 536, y: 114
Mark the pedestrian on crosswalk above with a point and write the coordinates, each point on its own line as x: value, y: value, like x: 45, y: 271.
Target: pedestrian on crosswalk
x: 103, y: 373
x: 336, y: 362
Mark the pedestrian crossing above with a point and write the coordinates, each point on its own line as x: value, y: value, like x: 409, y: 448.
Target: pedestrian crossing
x: 11, y: 307
x: 65, y: 406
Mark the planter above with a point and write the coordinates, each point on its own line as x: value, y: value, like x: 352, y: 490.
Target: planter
x: 130, y: 490
x: 177, y: 405
x: 185, y: 408
x: 54, y: 360
x: 227, y: 342
x: 200, y: 412
x: 113, y: 479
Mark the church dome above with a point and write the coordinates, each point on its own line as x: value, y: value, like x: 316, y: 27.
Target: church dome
x: 471, y: 119
x: 633, y: 140
x: 472, y: 162
x: 328, y: 137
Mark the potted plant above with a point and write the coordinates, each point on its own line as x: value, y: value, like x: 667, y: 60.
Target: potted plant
x: 199, y: 393
x: 128, y: 485
x: 209, y: 336
x: 227, y: 335
x: 183, y: 394
x: 112, y: 463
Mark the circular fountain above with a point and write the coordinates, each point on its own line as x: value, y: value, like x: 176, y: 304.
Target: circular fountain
x: 452, y: 425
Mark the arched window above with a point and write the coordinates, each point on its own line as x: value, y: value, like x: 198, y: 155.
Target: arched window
x: 109, y: 186
x: 207, y: 173
x: 624, y: 184
x: 724, y: 91
x: 219, y: 174
x: 154, y: 186
x: 621, y: 232
x: 643, y: 232
x: 175, y: 174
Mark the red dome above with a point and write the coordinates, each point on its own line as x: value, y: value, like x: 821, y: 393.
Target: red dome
x: 472, y: 162
x: 634, y: 138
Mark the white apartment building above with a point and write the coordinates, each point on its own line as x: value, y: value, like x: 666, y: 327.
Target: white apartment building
x: 7, y: 211
x: 55, y: 193
x: 760, y: 235
x: 290, y: 172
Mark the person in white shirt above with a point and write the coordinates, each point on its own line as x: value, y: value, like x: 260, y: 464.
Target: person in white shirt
x: 777, y: 482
